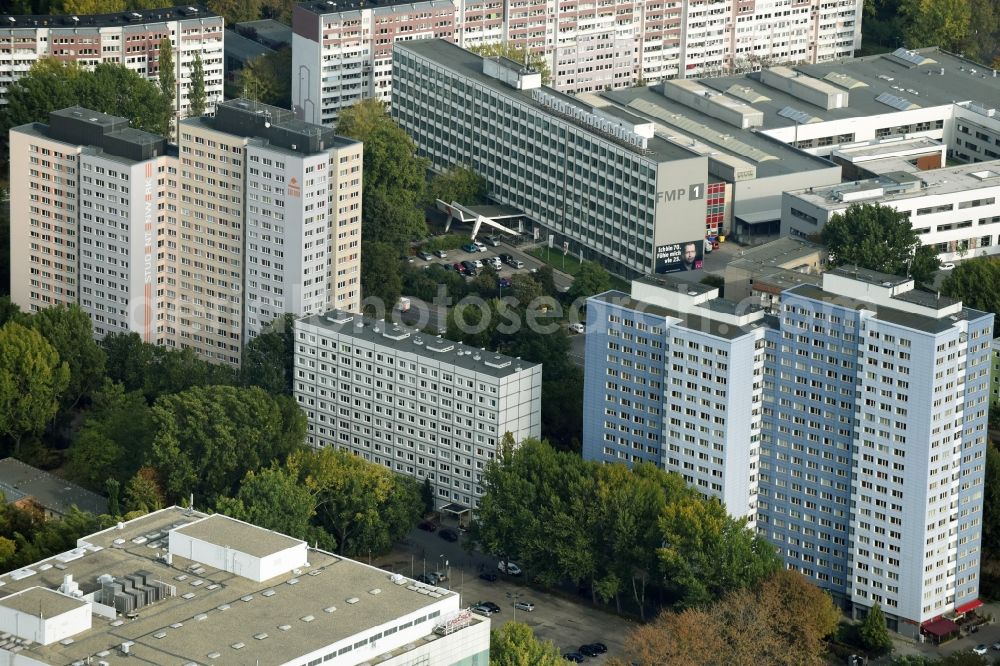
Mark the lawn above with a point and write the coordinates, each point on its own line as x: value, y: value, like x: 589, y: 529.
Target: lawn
x: 570, y: 265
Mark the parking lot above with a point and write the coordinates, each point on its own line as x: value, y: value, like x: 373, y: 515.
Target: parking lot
x: 568, y: 623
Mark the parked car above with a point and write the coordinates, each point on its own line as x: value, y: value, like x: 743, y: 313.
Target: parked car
x: 423, y: 579
x: 980, y: 649
x: 524, y: 605
x: 447, y: 266
x: 516, y: 263
x: 460, y: 268
x: 428, y: 526
x: 438, y: 576
x: 407, y: 258
x: 593, y: 649
x: 504, y: 283
x: 488, y: 577
x: 478, y: 263
x: 495, y: 262
x: 578, y: 327
x: 493, y: 608
x: 996, y: 646
x: 426, y: 256
x: 481, y: 610
x: 509, y: 568
x: 575, y: 657
x: 448, y: 535
x: 600, y: 647
x: 470, y: 247
x: 470, y: 267
x: 440, y: 254
x: 481, y: 246
x: 493, y: 241
x: 505, y: 258
x: 947, y: 266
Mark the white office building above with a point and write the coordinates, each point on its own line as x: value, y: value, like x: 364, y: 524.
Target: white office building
x: 955, y: 209
x: 423, y: 406
x: 131, y: 39
x: 179, y: 586
x: 342, y: 51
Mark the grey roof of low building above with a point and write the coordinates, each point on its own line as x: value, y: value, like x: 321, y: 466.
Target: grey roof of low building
x: 269, y: 30
x: 250, y: 539
x: 777, y: 252
x: 19, y: 480
x: 239, y: 47
x: 135, y: 17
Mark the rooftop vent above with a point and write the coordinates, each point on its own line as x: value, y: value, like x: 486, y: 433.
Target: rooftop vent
x: 498, y: 362
x: 307, y: 618
x: 238, y: 646
x: 284, y: 627
x: 375, y: 590
x: 329, y: 609
x: 353, y: 600
x: 267, y: 593
x: 261, y: 636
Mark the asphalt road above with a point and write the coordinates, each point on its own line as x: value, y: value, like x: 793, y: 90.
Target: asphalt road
x: 568, y: 623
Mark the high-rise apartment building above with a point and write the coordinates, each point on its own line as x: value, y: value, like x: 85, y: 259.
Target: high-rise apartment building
x: 270, y: 222
x: 131, y: 39
x: 423, y: 406
x: 343, y: 50
x: 179, y: 586
x: 864, y: 425
x: 88, y: 201
x: 253, y: 215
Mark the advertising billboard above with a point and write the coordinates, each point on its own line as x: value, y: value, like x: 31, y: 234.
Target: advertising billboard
x: 680, y: 256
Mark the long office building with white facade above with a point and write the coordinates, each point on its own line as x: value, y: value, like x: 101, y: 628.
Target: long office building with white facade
x: 858, y: 449
x: 422, y: 405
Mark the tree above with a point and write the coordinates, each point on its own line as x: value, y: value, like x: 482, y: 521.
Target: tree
x: 10, y: 311
x: 196, y: 96
x: 380, y: 274
x: 976, y: 283
x: 535, y: 61
x: 874, y: 634
x: 427, y: 496
x: 525, y: 289
x: 4, y: 256
x: 273, y: 498
x: 69, y: 331
x: 705, y: 552
x: 268, y: 78
x: 129, y: 359
x: 716, y: 281
x: 514, y: 644
x: 365, y: 506
x: 116, y: 436
x: 943, y: 23
x: 236, y: 11
x: 110, y: 88
x: 268, y: 359
x: 392, y: 217
x: 168, y: 83
x: 800, y: 614
x: 143, y: 493
x: 459, y: 183
x: 32, y: 380
x: 991, y: 500
x: 690, y: 638
x: 80, y: 7
x: 208, y: 437
x: 592, y: 279
x: 878, y: 238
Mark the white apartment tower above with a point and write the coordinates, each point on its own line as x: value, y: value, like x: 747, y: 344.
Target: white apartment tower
x: 421, y: 405
x: 131, y: 39
x: 88, y: 210
x: 270, y: 216
x: 343, y: 50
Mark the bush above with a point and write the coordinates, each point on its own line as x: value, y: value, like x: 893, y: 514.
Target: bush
x: 445, y: 242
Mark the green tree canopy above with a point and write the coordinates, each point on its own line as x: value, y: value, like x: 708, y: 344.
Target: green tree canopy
x: 976, y: 282
x: 110, y: 88
x: 592, y: 279
x: 878, y: 238
x: 32, y: 380
x: 116, y: 436
x: 129, y: 359
x: 168, y: 83
x: 535, y: 61
x: 236, y: 11
x: 459, y: 183
x: 196, y: 97
x: 944, y: 23
x: 380, y: 262
x: 366, y: 507
x: 874, y: 633
x: 514, y: 644
x: 991, y: 500
x: 208, y: 437
x: 268, y: 78
x: 144, y: 493
x: 69, y: 331
x: 269, y: 357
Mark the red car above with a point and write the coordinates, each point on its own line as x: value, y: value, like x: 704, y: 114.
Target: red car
x: 460, y: 269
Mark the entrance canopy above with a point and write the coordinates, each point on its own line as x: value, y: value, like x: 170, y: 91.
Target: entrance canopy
x: 940, y: 627
x: 971, y: 606
x: 455, y: 509
x: 477, y: 216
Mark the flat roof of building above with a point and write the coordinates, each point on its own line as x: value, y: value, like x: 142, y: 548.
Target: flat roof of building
x: 224, y: 531
x: 411, y: 340
x: 242, y: 48
x: 322, y: 7
x: 779, y: 253
x: 133, y: 17
x: 470, y: 65
x: 691, y: 321
x: 19, y: 480
x: 213, y: 611
x: 269, y: 30
x: 40, y: 601
x: 899, y: 186
x: 866, y: 78
x: 770, y: 156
